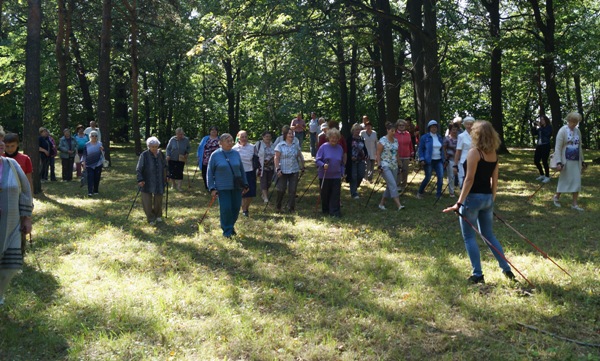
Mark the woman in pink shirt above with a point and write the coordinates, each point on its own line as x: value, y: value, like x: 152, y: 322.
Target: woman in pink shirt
x: 405, y: 153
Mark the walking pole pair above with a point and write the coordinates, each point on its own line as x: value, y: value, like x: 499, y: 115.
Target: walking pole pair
x: 311, y: 182
x: 540, y: 187
x: 212, y: 200
x: 531, y: 243
x: 373, y: 190
x: 133, y: 203
x: 492, y: 246
x: 271, y: 195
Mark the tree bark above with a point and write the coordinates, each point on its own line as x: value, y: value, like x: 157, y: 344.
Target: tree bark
x: 342, y: 84
x: 104, y: 112
x: 379, y: 89
x: 135, y: 98
x: 32, y: 112
x: 234, y: 127
x: 62, y: 50
x: 352, y: 116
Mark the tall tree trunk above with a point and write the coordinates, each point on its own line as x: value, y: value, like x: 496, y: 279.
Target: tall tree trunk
x: 32, y: 112
x: 146, y: 105
x: 548, y: 28
x: 417, y: 57
x: 135, y: 98
x: 61, y: 49
x: 493, y: 9
x: 234, y: 126
x: 353, y: 91
x: 342, y: 84
x: 433, y: 81
x: 2, y: 35
x: 379, y: 90
x: 104, y: 77
x: 388, y: 60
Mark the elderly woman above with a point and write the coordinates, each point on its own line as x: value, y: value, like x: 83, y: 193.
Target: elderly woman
x: 370, y: 138
x: 68, y: 149
x: 358, y: 155
x: 151, y: 178
x: 178, y: 149
x: 463, y: 144
x: 476, y: 200
x: 227, y: 180
x: 450, y: 150
x: 45, y: 149
x: 570, y: 164
x: 246, y: 150
x: 91, y: 161
x: 289, y: 161
x: 81, y: 138
x: 207, y: 146
x: 387, y: 160
x: 266, y: 156
x: 16, y: 203
x: 330, y: 162
x: 431, y: 156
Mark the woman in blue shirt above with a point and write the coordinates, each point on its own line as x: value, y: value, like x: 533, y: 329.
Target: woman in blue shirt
x: 431, y: 154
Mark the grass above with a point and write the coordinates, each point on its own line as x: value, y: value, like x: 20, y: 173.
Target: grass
x: 373, y: 285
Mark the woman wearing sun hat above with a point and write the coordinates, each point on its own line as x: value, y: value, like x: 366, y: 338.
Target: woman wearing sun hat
x: 431, y: 155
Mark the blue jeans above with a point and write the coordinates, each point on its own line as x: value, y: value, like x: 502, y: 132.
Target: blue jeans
x: 478, y: 209
x: 358, y: 173
x: 230, y: 202
x: 313, y: 144
x: 438, y: 166
x: 93, y: 178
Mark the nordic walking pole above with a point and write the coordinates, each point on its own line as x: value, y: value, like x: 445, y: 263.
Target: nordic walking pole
x: 541, y: 186
x: 492, y: 246
x: 373, y: 191
x: 443, y: 190
x: 133, y: 203
x: 273, y: 191
x: 311, y: 183
x: 321, y: 188
x: 167, y: 202
x: 411, y: 180
x: 212, y: 200
x: 531, y: 243
x: 188, y: 173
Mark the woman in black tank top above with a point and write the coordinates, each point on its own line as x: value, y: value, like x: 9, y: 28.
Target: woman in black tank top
x: 476, y: 201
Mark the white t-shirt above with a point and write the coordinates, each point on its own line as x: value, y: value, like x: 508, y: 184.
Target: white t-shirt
x: 464, y: 144
x: 370, y: 143
x: 436, y: 153
x: 246, y: 153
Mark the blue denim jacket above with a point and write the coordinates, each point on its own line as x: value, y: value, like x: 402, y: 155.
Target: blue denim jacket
x: 426, y: 147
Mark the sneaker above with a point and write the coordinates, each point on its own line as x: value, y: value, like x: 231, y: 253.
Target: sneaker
x: 401, y: 207
x: 452, y: 195
x: 265, y: 200
x: 382, y: 207
x: 540, y: 178
x: 90, y: 194
x: 356, y: 197
x: 245, y: 213
x: 158, y: 220
x: 475, y: 279
x: 577, y: 208
x: 546, y: 180
x: 556, y: 201
x: 419, y: 195
x: 509, y: 275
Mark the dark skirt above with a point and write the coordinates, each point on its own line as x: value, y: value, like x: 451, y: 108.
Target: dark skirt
x: 251, y: 178
x: 176, y: 169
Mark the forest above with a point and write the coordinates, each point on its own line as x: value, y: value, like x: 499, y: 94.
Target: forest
x: 144, y: 68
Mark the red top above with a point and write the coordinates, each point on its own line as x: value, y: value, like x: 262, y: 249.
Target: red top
x: 405, y: 146
x: 24, y: 161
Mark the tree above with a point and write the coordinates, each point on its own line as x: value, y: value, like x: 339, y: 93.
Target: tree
x: 104, y: 112
x: 32, y: 110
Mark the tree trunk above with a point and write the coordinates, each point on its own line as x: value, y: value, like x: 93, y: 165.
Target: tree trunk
x: 104, y: 77
x: 352, y: 116
x: 32, y: 112
x: 417, y: 55
x: 388, y: 60
x: 342, y: 84
x: 547, y: 29
x: 61, y: 49
x: 135, y: 98
x: 146, y: 104
x: 433, y: 81
x: 234, y: 127
x: 493, y: 9
x: 379, y: 90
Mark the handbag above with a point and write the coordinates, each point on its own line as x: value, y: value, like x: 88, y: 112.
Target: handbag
x: 255, y: 158
x: 238, y: 181
x: 553, y: 161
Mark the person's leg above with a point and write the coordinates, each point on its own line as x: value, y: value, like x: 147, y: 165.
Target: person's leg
x: 52, y: 169
x: 370, y: 168
x: 281, y: 187
x: 44, y: 166
x: 97, y: 176
x: 91, y: 176
x: 313, y: 144
x: 545, y: 156
x: 425, y: 182
x: 485, y: 220
x: 353, y: 179
x: 6, y: 275
x: 470, y: 211
x: 391, y: 191
x: 147, y: 205
x: 157, y: 206
x: 335, y: 190
x: 461, y: 174
x: 575, y: 196
x: 325, y: 194
x: 63, y: 163
x: 78, y: 168
x: 439, y: 173
x: 226, y: 212
x: 292, y: 191
x: 360, y: 175
x: 537, y: 157
x: 204, y: 171
x: 404, y: 176
x: 236, y: 204
x: 450, y: 172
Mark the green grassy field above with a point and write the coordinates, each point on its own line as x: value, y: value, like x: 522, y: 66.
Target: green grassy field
x: 373, y: 285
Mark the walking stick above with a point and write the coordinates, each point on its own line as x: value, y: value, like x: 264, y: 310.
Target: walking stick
x: 492, y: 246
x: 373, y: 191
x: 321, y: 188
x: 207, y: 209
x: 531, y: 243
x: 411, y: 180
x: 188, y: 173
x: 541, y: 186
x: 273, y: 191
x: 311, y: 182
x: 443, y: 190
x: 195, y: 171
x: 167, y: 202
x: 133, y: 203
